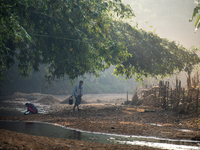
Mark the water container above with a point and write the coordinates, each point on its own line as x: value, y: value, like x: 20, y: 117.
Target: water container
x: 70, y: 101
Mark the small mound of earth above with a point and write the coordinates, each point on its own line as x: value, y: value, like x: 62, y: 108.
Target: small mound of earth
x: 66, y: 101
x: 48, y: 100
x: 31, y: 96
x: 20, y: 95
x: 20, y: 99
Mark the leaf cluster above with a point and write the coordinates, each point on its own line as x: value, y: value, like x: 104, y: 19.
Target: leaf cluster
x: 194, y: 14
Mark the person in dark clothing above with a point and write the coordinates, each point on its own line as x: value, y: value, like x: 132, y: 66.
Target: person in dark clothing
x: 78, y: 93
x: 31, y: 109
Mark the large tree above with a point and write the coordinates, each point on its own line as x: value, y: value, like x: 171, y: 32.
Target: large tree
x: 74, y: 37
x: 71, y: 37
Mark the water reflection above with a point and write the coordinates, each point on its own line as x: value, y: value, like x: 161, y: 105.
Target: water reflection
x: 4, y: 112
x: 49, y: 130
x: 75, y: 135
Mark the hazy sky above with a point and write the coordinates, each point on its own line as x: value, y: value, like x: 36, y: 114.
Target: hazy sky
x: 170, y: 18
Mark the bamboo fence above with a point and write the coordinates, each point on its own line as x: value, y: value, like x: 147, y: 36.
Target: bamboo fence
x: 183, y: 100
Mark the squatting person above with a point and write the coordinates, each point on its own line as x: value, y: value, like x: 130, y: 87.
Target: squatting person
x: 31, y: 109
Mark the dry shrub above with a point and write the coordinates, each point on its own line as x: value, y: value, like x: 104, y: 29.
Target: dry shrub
x: 150, y: 100
x: 134, y: 99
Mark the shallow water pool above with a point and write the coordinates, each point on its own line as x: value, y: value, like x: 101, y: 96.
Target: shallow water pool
x: 56, y: 131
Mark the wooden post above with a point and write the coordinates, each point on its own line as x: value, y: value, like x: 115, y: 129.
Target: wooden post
x: 194, y: 82
x: 164, y: 97
x: 197, y: 101
x: 156, y: 99
x: 160, y: 92
x: 179, y: 93
x: 183, y: 95
x: 127, y: 96
x: 175, y: 92
x: 189, y: 81
x: 171, y: 98
x: 167, y: 95
x: 166, y: 92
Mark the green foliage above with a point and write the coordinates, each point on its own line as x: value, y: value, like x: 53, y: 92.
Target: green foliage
x: 75, y: 37
x: 106, y: 83
x: 151, y: 55
x: 196, y: 13
x: 70, y: 37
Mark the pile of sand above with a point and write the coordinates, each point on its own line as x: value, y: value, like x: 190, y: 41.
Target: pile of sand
x: 48, y: 100
x: 66, y: 101
x: 20, y: 99
x: 20, y: 95
x: 31, y: 96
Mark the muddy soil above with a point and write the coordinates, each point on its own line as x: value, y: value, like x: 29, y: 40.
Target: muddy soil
x: 104, y: 116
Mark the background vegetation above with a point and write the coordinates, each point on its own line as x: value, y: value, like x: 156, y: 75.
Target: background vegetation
x: 35, y: 83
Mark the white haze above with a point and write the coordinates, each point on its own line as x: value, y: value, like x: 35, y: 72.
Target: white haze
x: 170, y: 19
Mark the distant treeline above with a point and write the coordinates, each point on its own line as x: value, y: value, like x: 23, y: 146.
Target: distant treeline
x: 106, y: 83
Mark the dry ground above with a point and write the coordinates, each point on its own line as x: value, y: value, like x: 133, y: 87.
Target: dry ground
x: 107, y: 118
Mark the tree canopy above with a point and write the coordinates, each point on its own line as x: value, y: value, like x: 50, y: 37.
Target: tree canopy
x: 152, y: 55
x: 71, y: 37
x: 74, y: 37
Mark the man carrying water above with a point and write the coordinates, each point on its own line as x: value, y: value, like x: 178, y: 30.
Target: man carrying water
x: 78, y: 93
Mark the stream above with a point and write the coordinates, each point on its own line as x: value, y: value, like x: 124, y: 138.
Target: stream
x: 58, y: 131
